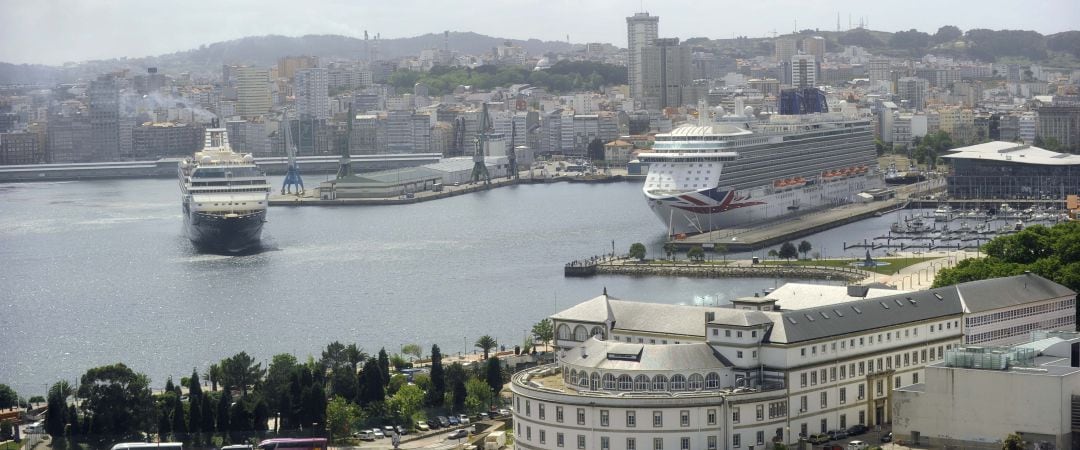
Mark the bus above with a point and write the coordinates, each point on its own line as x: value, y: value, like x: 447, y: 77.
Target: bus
x: 293, y: 444
x: 148, y: 446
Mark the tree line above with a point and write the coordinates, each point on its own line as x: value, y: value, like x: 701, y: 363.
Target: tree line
x: 1051, y: 252
x: 563, y: 76
x: 341, y: 391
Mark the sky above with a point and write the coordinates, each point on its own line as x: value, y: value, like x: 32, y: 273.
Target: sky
x: 57, y: 31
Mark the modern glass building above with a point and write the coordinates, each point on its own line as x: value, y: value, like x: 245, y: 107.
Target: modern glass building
x: 1011, y: 171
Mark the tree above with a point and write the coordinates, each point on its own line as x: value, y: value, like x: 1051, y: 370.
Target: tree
x: 912, y: 39
x: 494, y: 375
x: 116, y: 400
x: 344, y: 383
x: 596, y: 150
x: 213, y: 375
x: 372, y: 389
x: 412, y: 350
x: 544, y: 331
x: 773, y: 253
x: 805, y: 247
x: 438, y: 379
x: 384, y: 365
x: 240, y: 371
x: 637, y: 251
x: 721, y: 249
x: 355, y: 355
x: 341, y: 415
x: 788, y: 251
x: 278, y: 376
x: 478, y: 396
x: 56, y: 416
x: 485, y: 343
x: 946, y: 34
x: 1053, y: 253
x: 223, y: 425
x: 669, y: 250
x: 406, y: 402
x: 696, y: 253
x: 207, y: 414
x: 179, y: 422
x: 1013, y: 442
x: 399, y: 363
x: 455, y: 380
x: 261, y: 416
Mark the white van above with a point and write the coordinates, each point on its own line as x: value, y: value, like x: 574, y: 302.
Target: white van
x: 856, y: 445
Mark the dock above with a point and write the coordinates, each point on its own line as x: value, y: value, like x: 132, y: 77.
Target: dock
x: 787, y: 228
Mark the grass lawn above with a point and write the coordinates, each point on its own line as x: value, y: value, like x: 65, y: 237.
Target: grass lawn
x: 684, y: 262
x: 10, y: 445
x: 895, y: 264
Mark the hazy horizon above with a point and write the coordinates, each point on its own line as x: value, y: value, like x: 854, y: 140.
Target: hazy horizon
x: 54, y: 32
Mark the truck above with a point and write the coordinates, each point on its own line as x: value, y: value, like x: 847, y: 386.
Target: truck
x: 495, y: 440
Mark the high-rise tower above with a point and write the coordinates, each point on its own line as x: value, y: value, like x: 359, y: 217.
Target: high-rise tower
x: 641, y: 30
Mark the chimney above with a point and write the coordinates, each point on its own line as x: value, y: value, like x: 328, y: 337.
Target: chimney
x: 1075, y: 362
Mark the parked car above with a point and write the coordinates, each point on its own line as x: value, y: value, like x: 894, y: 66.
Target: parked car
x: 484, y: 416
x: 454, y: 420
x: 422, y: 426
x: 434, y: 424
x: 366, y: 435
x: 400, y: 430
x: 504, y: 412
x: 463, y: 419
x: 856, y: 429
x: 819, y: 438
x: 887, y: 437
x: 458, y: 434
x: 378, y: 433
x: 443, y: 421
x: 835, y: 435
x: 389, y: 430
x: 856, y: 445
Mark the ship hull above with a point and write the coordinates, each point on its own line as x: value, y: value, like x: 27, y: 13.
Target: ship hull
x: 234, y: 233
x: 717, y: 209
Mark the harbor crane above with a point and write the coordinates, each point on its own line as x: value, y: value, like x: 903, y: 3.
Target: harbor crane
x: 480, y: 170
x: 292, y: 175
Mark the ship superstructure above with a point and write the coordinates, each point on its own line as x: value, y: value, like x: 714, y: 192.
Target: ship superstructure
x: 738, y: 172
x: 225, y: 196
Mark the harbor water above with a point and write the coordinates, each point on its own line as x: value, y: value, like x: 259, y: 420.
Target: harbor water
x: 99, y: 272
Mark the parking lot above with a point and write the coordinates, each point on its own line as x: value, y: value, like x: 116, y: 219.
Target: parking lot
x: 434, y: 439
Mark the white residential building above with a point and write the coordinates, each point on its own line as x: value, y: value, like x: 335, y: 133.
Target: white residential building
x: 312, y: 93
x: 802, y: 361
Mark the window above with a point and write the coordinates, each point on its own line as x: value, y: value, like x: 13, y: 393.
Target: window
x: 543, y: 437
x: 862, y: 417
x: 738, y: 354
x: 712, y: 380
x: 735, y: 415
x: 832, y: 374
x: 879, y: 387
x: 625, y: 383
x: 813, y: 378
x: 897, y: 383
x: 678, y: 382
x: 738, y: 334
x: 915, y: 378
x: 710, y: 417
x: 862, y: 392
x: 658, y: 443
x: 802, y: 430
x: 712, y: 442
x: 727, y: 333
x: 824, y: 425
x: 843, y: 421
x: 559, y: 439
x: 684, y: 443
x: 558, y: 414
x: 631, y: 444
x: 604, y: 418
x: 843, y: 372
x: 605, y: 443
x: 753, y: 334
x: 760, y: 412
x: 802, y: 351
x: 760, y: 437
x: 528, y: 433
x: 528, y: 408
x: 843, y: 395
x: 657, y: 419
x: 581, y: 441
x: 802, y: 404
x: 540, y: 411
x: 802, y: 379
x: 684, y: 418
x: 581, y: 416
x: 862, y: 366
x: 824, y: 400
x: 631, y: 419
x: 736, y: 440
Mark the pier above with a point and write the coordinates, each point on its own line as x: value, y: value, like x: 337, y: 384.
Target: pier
x: 627, y: 266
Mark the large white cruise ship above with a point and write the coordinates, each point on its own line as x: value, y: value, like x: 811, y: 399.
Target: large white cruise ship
x: 225, y: 196
x: 731, y: 174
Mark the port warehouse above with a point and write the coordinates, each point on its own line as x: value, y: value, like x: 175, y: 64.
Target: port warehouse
x: 1011, y: 171
x: 167, y: 167
x: 395, y: 182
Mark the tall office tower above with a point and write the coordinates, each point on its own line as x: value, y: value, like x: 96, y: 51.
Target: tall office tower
x: 913, y: 91
x: 641, y: 30
x: 665, y: 71
x: 252, y: 91
x: 312, y: 93
x: 785, y: 49
x: 803, y: 71
x: 104, y: 118
x: 1060, y: 123
x: 815, y: 46
x: 879, y: 70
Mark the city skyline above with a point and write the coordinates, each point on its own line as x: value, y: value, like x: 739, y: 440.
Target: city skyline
x: 125, y: 28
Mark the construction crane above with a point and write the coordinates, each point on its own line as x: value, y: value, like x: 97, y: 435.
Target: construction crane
x: 479, y: 170
x: 292, y: 175
x: 345, y: 166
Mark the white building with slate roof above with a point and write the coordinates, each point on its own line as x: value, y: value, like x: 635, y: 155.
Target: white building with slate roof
x: 800, y: 361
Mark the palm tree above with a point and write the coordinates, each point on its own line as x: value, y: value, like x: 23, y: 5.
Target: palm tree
x: 213, y: 375
x: 485, y: 343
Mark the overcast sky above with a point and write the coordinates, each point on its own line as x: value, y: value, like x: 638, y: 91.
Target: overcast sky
x: 57, y: 31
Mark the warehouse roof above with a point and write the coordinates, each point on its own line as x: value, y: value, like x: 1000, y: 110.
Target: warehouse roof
x: 1013, y: 152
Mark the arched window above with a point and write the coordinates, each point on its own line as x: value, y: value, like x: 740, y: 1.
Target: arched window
x: 598, y: 331
x: 564, y: 332
x: 580, y: 334
x: 641, y: 383
x: 697, y: 382
x: 573, y: 377
x: 678, y: 382
x: 625, y: 383
x: 609, y: 381
x: 583, y: 379
x: 659, y: 383
x: 712, y: 381
x: 594, y: 381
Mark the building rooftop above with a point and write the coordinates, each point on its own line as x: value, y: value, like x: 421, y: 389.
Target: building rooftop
x: 1013, y: 152
x: 642, y: 316
x: 625, y: 356
x: 792, y: 296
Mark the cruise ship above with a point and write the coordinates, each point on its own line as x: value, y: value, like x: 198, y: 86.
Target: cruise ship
x: 225, y: 196
x: 737, y: 171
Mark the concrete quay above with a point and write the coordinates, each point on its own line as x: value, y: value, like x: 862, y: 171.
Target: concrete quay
x: 710, y: 270
x: 787, y: 228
